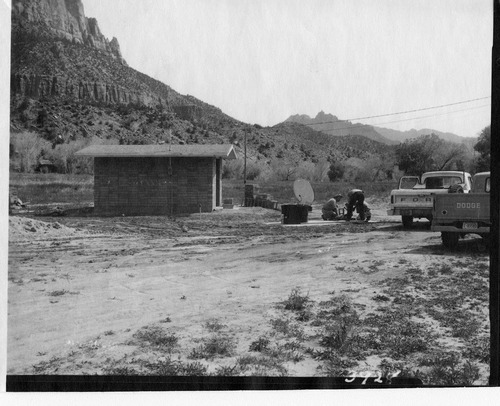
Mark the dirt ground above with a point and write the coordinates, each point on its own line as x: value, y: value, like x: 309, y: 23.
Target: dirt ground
x: 210, y: 294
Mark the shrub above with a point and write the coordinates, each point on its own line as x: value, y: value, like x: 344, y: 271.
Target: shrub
x: 156, y: 336
x: 447, y: 369
x: 29, y: 146
x: 336, y: 171
x: 296, y: 301
x: 214, y: 325
x: 235, y: 169
x: 259, y: 345
x: 215, y: 345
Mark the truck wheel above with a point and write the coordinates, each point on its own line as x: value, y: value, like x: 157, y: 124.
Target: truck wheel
x: 450, y: 240
x: 407, y: 221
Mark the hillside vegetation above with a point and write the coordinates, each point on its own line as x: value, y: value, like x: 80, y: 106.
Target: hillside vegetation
x: 67, y: 93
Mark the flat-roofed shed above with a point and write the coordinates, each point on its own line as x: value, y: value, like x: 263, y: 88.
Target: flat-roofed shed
x: 157, y: 179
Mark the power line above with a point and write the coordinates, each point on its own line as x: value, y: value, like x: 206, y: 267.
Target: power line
x: 429, y: 116
x: 404, y: 112
x: 398, y: 121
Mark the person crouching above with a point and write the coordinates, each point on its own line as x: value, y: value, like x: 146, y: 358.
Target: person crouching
x: 355, y: 200
x: 330, y: 209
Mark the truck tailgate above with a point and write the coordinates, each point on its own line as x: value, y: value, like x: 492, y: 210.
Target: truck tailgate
x: 461, y: 206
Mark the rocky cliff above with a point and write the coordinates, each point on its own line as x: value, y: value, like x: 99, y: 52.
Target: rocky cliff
x: 69, y: 83
x: 65, y: 19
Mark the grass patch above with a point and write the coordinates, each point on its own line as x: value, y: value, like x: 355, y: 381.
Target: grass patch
x: 214, y: 346
x: 336, y: 366
x: 48, y: 367
x: 397, y: 335
x: 169, y: 367
x: 157, y: 337
x: 463, y: 324
x: 124, y: 371
x: 44, y: 188
x: 447, y: 368
x: 288, y: 328
x: 259, y: 345
x: 228, y: 370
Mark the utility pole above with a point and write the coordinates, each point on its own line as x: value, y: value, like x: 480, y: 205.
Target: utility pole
x: 245, y: 161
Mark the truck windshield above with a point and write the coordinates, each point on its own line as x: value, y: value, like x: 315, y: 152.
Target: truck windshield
x: 441, y: 182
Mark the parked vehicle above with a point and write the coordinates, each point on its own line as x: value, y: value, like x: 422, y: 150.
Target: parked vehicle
x: 414, y: 196
x: 456, y: 215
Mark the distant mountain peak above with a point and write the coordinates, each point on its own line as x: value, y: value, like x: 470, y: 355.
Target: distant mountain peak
x: 330, y: 124
x: 321, y: 116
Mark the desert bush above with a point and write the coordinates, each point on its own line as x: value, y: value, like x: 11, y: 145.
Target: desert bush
x: 285, y: 352
x: 219, y: 345
x: 214, y: 325
x: 259, y: 345
x: 158, y: 337
x: 398, y: 335
x: 234, y: 170
x: 334, y: 335
x: 63, y: 156
x: 296, y: 301
x: 449, y: 370
x: 227, y: 370
x: 336, y: 366
x: 479, y: 349
x: 315, y: 172
x: 282, y: 170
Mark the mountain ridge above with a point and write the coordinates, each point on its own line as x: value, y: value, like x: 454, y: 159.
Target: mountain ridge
x: 331, y: 124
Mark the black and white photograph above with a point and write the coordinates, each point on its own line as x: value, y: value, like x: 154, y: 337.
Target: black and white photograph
x: 248, y: 194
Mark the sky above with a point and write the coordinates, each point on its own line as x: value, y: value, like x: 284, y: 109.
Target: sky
x: 261, y: 61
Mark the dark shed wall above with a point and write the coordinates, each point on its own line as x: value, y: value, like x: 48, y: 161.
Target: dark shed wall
x: 143, y: 186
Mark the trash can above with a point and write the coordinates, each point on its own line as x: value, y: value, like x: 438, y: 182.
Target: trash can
x: 294, y: 213
x: 304, y: 210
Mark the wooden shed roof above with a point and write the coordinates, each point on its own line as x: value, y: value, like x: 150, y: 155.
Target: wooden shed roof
x: 225, y: 151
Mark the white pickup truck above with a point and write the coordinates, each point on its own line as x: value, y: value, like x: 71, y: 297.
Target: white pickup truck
x: 413, y: 198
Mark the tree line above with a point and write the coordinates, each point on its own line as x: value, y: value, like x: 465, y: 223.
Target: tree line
x: 412, y: 157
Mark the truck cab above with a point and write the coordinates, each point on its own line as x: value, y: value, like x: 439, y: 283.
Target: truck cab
x: 414, y: 196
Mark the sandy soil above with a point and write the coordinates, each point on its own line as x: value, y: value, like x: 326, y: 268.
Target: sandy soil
x: 80, y: 288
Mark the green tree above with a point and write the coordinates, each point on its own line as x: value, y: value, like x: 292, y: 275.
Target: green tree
x: 428, y: 153
x: 336, y: 171
x: 483, y: 147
